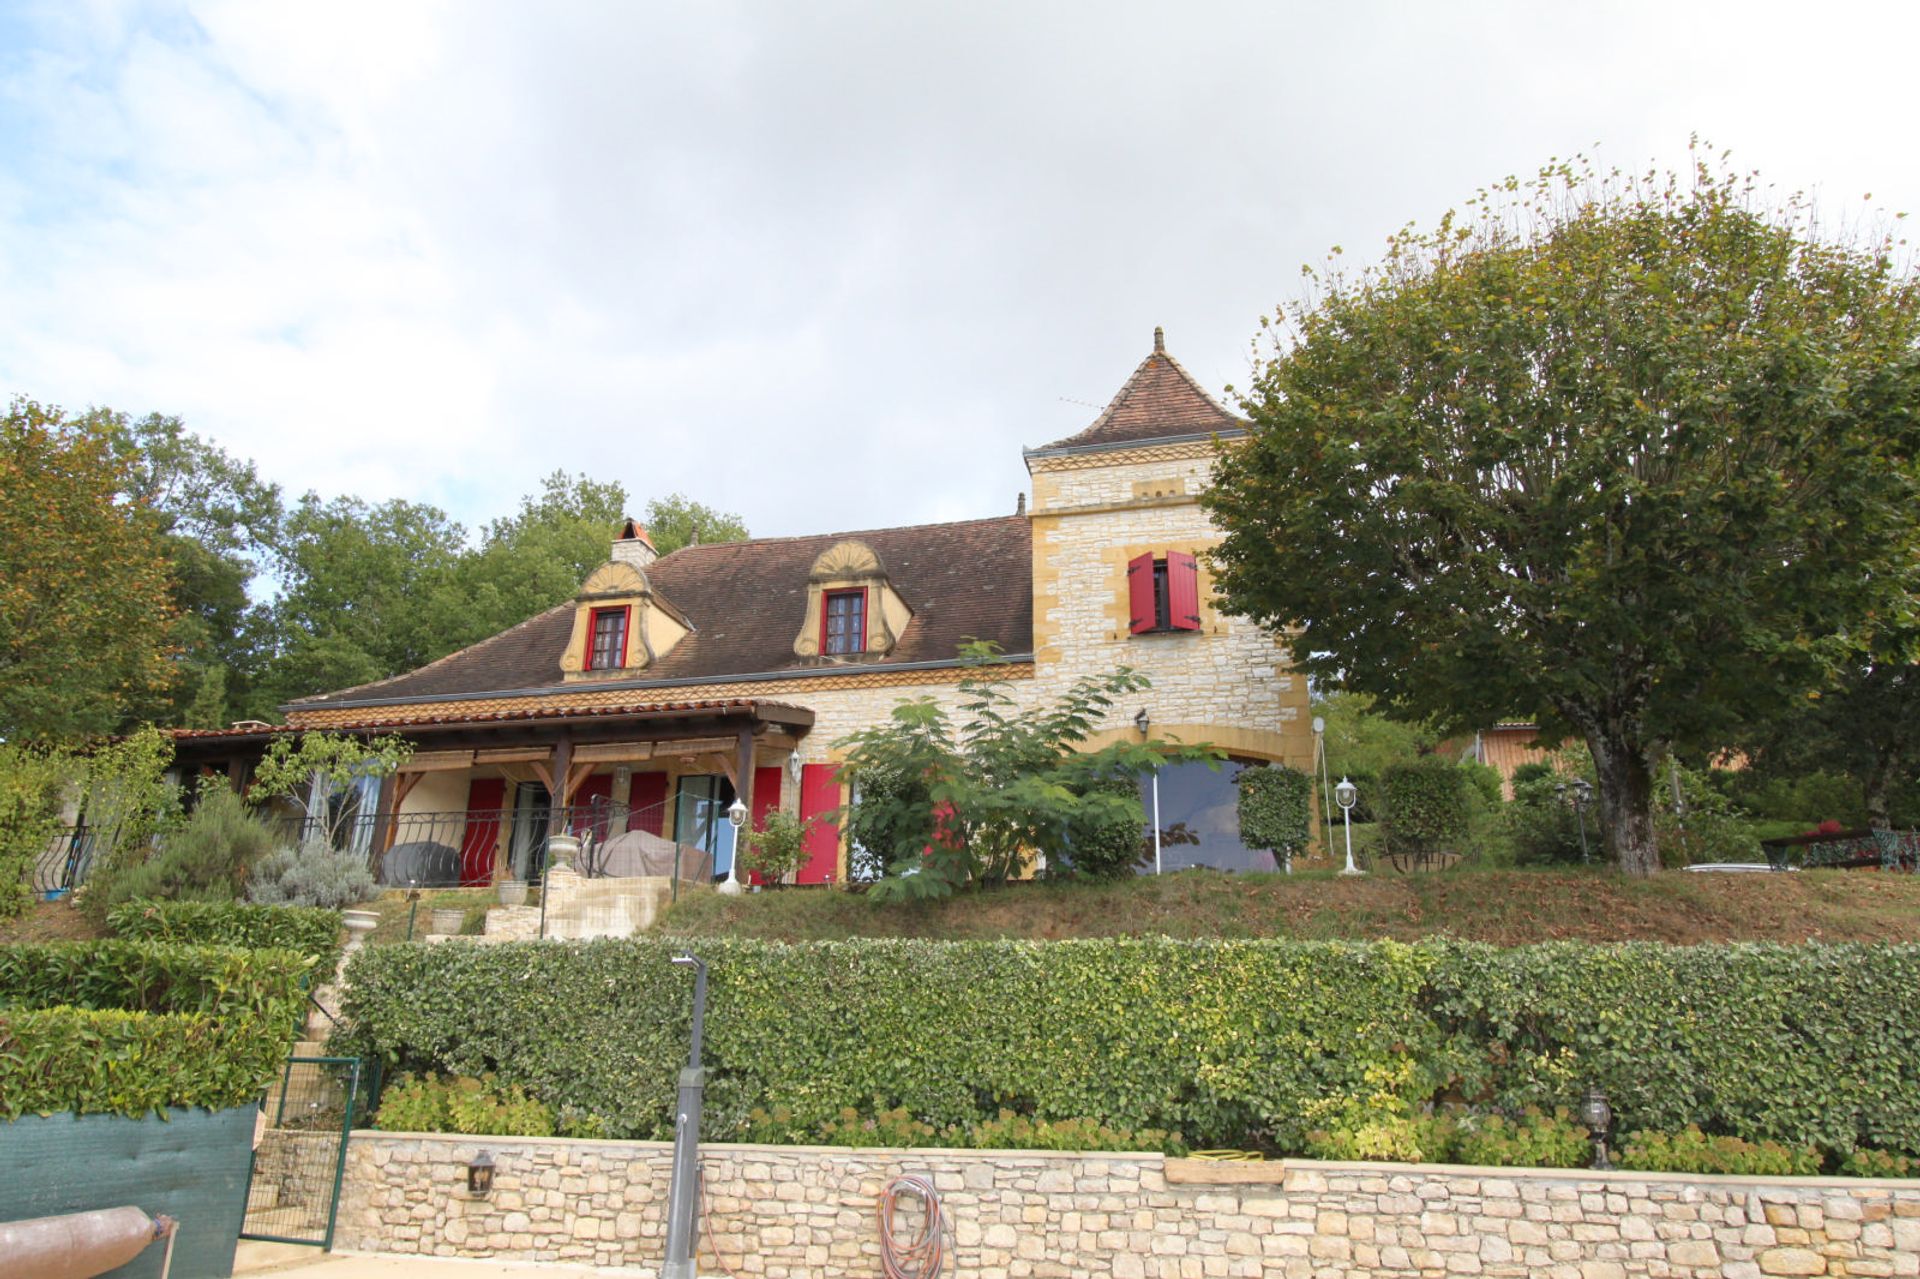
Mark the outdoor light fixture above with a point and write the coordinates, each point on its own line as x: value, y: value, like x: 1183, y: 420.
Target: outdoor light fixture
x: 737, y: 813
x: 793, y: 766
x: 1345, y: 794
x: 480, y: 1175
x: 1597, y: 1114
x: 1142, y: 721
x: 1581, y: 794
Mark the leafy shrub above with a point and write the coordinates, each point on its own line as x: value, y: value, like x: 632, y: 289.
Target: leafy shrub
x: 1424, y: 806
x: 1107, y: 840
x: 207, y: 859
x: 1008, y: 1131
x: 1691, y: 1150
x: 1713, y: 829
x: 1537, y: 1139
x: 480, y: 1107
x: 120, y: 1027
x: 1542, y: 826
x: 777, y: 849
x: 30, y: 787
x: 305, y: 931
x: 313, y: 874
x: 897, y: 1128
x: 1534, y: 770
x: 1865, y: 1162
x: 1402, y: 1139
x: 1485, y: 779
x: 1228, y: 1043
x: 1276, y: 810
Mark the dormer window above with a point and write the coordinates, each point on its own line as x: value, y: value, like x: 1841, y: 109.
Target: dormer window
x: 608, y: 651
x: 843, y: 623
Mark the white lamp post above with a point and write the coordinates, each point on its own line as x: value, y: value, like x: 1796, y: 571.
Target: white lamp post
x: 1344, y: 795
x: 736, y: 814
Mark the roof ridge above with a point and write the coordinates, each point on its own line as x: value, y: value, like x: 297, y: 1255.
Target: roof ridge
x: 1203, y: 414
x: 438, y: 661
x: 814, y: 537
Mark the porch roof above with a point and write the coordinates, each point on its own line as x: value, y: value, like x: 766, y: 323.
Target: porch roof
x: 540, y: 725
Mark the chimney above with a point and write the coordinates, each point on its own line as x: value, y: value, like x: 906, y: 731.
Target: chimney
x: 633, y: 547
x: 1020, y: 502
x: 1159, y: 340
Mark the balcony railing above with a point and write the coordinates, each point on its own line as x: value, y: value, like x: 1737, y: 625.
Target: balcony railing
x: 438, y: 849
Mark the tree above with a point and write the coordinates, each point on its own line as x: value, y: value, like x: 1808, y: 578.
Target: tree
x: 86, y: 612
x: 1275, y: 805
x: 360, y: 584
x: 1867, y: 726
x: 1633, y: 457
x: 529, y: 562
x: 673, y: 521
x: 219, y: 522
x: 1005, y: 787
x: 319, y: 772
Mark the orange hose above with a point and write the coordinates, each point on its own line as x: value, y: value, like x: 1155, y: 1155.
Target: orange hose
x: 921, y: 1256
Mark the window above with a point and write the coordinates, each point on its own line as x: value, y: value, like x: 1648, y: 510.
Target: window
x: 1163, y: 593
x: 607, y: 650
x: 843, y: 623
x: 1196, y: 809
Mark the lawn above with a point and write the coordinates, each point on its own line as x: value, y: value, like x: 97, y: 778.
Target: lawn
x: 1508, y: 907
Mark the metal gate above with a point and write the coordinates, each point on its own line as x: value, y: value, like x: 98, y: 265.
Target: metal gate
x: 293, y: 1192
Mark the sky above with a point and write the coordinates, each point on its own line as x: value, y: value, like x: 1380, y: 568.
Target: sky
x: 829, y: 266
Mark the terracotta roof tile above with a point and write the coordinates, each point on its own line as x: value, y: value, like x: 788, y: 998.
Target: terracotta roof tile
x: 746, y: 600
x: 375, y: 720
x: 1161, y: 399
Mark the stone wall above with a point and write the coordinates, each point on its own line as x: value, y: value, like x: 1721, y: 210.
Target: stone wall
x: 793, y: 1211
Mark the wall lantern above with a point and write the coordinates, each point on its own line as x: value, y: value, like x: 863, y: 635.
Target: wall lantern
x: 480, y: 1175
x: 1597, y: 1114
x: 737, y: 813
x: 793, y: 766
x: 1142, y: 722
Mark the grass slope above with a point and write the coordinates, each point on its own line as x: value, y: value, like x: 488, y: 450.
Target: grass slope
x: 1506, y: 907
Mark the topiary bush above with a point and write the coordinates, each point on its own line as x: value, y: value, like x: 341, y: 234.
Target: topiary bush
x: 314, y: 874
x: 1108, y: 841
x: 305, y: 931
x: 1226, y: 1043
x: 118, y: 1027
x: 1424, y: 807
x: 1276, y: 810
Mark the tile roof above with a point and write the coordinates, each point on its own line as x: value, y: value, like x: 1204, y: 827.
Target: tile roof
x: 1159, y: 401
x: 457, y: 717
x: 972, y: 579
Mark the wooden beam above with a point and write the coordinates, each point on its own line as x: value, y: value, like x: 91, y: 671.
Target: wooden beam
x: 542, y: 773
x: 512, y: 755
x: 403, y: 787
x: 559, y: 769
x: 385, y: 806
x: 438, y: 761
x: 575, y: 775
x: 614, y: 752
x: 694, y: 746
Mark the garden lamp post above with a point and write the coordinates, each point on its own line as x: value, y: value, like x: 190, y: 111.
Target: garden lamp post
x: 683, y: 1192
x: 737, y: 815
x: 1144, y: 722
x: 1344, y: 795
x: 1597, y: 1114
x: 1579, y: 794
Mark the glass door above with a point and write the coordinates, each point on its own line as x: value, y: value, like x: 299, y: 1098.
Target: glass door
x: 527, y: 846
x: 700, y: 818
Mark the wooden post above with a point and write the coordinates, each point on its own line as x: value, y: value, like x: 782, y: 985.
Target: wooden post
x: 743, y: 787
x: 557, y: 790
x: 384, y: 814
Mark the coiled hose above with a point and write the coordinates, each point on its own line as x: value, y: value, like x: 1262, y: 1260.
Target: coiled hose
x: 922, y: 1256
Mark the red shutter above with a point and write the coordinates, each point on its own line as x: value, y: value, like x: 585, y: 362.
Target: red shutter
x: 766, y: 798
x: 486, y: 796
x: 819, y: 795
x: 1140, y: 593
x: 647, y: 803
x: 1183, y: 591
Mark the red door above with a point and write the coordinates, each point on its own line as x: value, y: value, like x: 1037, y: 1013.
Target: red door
x: 819, y: 795
x: 766, y: 798
x: 486, y: 796
x: 647, y: 804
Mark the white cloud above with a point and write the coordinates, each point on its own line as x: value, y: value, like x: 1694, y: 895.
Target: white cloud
x: 827, y: 265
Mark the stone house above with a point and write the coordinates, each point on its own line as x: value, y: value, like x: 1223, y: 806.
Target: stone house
x: 670, y: 686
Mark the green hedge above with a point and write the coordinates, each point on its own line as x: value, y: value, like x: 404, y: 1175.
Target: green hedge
x: 305, y: 930
x: 1424, y: 806
x: 126, y: 1027
x: 1222, y: 1042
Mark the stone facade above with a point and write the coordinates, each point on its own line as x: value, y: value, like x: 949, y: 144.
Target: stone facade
x: 793, y: 1211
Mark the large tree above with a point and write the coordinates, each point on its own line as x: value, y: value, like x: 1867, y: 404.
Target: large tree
x: 676, y: 520
x: 85, y: 594
x: 537, y: 557
x: 1632, y: 456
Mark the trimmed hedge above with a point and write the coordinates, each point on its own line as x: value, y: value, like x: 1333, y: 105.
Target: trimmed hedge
x: 1424, y: 807
x: 128, y: 1027
x: 305, y: 930
x: 1224, y: 1043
